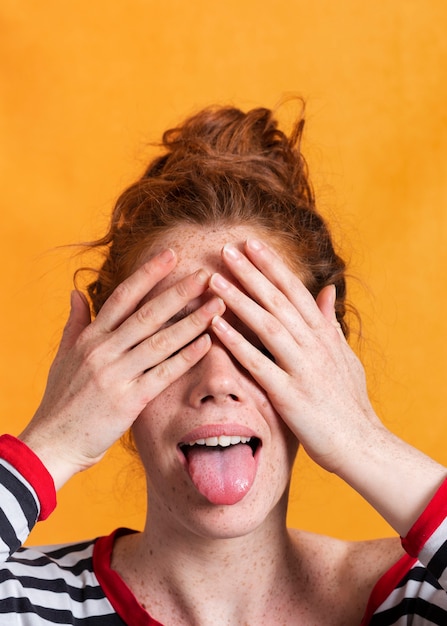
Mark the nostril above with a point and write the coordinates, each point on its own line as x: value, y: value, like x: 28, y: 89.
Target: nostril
x: 219, y: 398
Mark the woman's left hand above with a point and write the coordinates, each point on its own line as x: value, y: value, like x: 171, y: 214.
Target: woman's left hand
x: 313, y: 378
x: 316, y: 383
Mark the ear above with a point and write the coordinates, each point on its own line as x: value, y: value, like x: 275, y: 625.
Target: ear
x: 326, y: 302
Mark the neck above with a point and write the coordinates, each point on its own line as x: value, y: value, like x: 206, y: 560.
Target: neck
x: 195, y: 578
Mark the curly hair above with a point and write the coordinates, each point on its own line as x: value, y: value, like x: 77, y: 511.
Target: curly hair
x: 220, y: 168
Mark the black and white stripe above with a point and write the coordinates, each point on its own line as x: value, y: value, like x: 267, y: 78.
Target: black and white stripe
x: 434, y: 554
x: 418, y: 600
x: 19, y: 509
x: 54, y: 586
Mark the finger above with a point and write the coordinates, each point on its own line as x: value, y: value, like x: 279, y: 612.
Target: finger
x: 165, y: 308
x: 267, y: 327
x: 128, y: 294
x: 287, y: 281
x: 326, y: 303
x: 170, y: 340
x: 168, y: 371
x: 79, y: 318
x: 265, y: 372
x: 278, y: 293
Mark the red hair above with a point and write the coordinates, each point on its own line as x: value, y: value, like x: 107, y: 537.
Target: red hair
x: 220, y: 168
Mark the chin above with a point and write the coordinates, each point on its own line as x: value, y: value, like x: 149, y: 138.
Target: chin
x: 252, y: 514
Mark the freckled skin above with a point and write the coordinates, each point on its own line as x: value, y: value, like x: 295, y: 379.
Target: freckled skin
x: 197, y: 563
x: 172, y: 414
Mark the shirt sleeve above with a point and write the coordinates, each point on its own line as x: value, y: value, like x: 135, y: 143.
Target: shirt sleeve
x: 27, y: 493
x: 427, y: 539
x: 413, y: 589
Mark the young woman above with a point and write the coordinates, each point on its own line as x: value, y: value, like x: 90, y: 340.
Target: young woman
x: 219, y: 341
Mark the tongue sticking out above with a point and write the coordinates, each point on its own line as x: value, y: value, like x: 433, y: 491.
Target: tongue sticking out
x: 222, y: 475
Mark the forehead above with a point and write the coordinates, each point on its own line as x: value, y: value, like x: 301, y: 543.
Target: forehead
x: 200, y: 247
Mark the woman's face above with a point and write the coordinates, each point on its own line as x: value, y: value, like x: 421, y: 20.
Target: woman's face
x: 224, y: 490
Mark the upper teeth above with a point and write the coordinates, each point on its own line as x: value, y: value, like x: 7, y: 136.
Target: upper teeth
x: 223, y: 440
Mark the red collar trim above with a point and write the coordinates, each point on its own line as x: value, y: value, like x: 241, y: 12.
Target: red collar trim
x: 386, y: 584
x: 118, y: 593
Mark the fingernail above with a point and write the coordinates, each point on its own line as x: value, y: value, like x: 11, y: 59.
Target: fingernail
x: 254, y: 244
x: 231, y: 252
x: 202, y: 341
x: 220, y: 324
x: 219, y: 281
x: 214, y: 305
x: 166, y: 256
x: 201, y: 277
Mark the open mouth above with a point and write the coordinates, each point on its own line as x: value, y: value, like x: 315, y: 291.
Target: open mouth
x: 221, y: 442
x: 222, y: 468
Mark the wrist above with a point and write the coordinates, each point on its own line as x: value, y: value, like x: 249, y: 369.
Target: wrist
x: 57, y: 465
x: 395, y: 478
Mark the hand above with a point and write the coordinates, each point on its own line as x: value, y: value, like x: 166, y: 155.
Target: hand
x: 317, y: 384
x: 106, y: 371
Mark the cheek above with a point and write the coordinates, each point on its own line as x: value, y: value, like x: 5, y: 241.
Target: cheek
x: 283, y: 438
x: 151, y: 428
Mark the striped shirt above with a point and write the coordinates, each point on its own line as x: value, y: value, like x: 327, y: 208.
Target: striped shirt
x: 74, y: 583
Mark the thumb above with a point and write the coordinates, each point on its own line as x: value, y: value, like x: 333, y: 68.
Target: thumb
x: 78, y: 320
x: 326, y: 303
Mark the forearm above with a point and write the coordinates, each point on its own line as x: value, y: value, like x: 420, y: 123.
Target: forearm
x: 395, y: 478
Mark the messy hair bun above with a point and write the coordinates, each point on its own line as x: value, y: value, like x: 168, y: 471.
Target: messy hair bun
x: 224, y: 167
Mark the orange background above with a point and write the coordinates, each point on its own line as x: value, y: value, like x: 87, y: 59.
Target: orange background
x: 85, y: 85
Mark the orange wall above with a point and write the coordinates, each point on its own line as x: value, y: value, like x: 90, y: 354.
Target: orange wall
x: 86, y: 85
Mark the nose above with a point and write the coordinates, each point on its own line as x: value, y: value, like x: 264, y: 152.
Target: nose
x: 216, y: 379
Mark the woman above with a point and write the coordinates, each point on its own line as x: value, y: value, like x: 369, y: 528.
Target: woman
x: 219, y: 340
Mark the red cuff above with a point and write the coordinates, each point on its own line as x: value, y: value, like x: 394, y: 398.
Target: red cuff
x: 28, y: 464
x: 427, y: 522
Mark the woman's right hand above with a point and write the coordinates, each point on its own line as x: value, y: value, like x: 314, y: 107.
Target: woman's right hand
x: 106, y: 371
